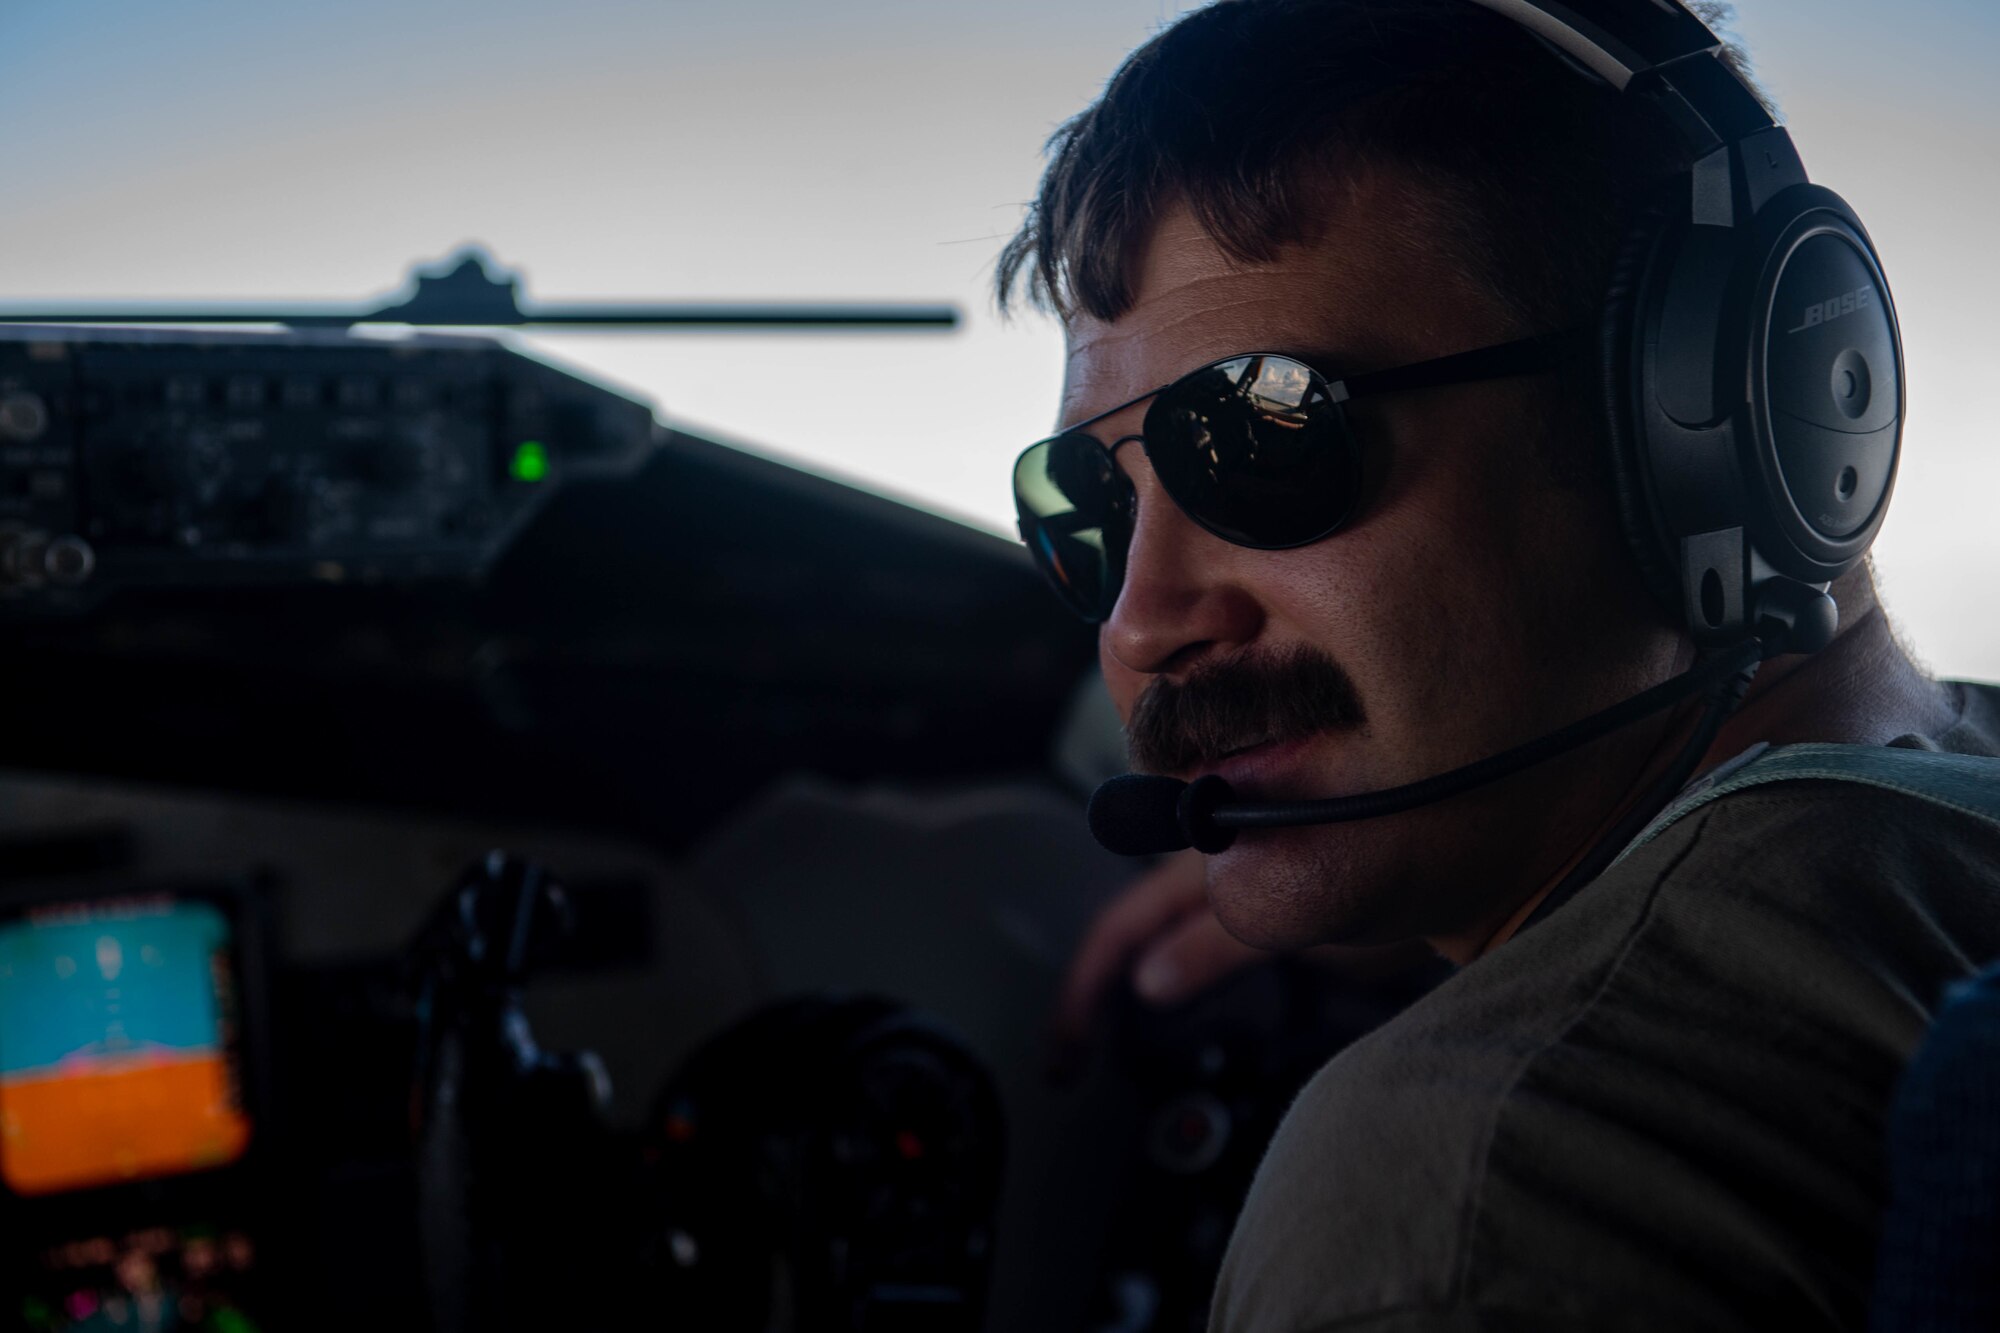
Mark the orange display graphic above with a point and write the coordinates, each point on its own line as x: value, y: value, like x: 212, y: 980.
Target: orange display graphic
x: 103, y: 1119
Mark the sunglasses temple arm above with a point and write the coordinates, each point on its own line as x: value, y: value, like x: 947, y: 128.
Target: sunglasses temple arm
x: 1524, y: 356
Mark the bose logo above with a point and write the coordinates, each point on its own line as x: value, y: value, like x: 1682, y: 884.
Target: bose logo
x: 1861, y: 298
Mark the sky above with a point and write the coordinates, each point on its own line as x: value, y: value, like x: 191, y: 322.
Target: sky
x: 866, y: 150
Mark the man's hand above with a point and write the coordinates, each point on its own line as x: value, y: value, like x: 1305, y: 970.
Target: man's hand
x: 1161, y: 937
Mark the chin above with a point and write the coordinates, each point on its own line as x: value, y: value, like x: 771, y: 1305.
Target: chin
x: 1286, y: 889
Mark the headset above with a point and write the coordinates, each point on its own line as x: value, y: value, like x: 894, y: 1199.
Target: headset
x: 1752, y: 379
x: 1751, y: 361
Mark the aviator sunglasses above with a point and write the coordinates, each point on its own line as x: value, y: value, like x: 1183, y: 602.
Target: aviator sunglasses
x: 1255, y: 448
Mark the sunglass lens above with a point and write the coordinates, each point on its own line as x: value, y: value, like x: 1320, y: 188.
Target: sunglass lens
x: 1256, y: 451
x: 1076, y: 511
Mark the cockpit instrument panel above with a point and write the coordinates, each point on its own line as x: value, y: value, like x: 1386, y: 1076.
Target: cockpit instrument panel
x: 160, y: 457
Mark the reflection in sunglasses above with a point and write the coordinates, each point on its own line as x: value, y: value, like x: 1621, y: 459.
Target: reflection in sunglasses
x: 1281, y: 386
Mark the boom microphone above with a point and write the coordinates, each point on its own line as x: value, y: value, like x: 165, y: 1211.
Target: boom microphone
x: 1141, y: 814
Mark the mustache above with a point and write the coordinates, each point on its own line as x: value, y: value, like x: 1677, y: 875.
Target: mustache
x: 1237, y: 703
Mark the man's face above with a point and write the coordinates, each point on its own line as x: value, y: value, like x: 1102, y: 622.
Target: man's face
x: 1470, y: 606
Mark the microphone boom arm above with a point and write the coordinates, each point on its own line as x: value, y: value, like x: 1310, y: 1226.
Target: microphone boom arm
x: 1142, y: 814
x: 1709, y: 675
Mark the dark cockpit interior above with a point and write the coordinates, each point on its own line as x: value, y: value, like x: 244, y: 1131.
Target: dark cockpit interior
x: 476, y: 858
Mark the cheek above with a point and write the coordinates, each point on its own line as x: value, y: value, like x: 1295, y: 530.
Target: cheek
x: 1381, y: 598
x: 1420, y: 600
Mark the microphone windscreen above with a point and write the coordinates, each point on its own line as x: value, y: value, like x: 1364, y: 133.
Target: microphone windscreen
x: 1137, y: 814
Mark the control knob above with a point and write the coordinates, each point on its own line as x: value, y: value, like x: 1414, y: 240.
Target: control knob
x: 23, y: 417
x: 29, y: 558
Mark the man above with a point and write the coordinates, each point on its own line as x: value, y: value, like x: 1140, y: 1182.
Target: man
x: 1658, y: 1102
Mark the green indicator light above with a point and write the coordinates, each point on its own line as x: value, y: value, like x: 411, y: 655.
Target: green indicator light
x: 530, y: 462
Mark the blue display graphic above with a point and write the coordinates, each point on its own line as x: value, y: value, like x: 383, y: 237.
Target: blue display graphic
x: 106, y: 981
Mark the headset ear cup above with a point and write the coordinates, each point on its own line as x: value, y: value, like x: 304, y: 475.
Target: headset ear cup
x: 1618, y: 380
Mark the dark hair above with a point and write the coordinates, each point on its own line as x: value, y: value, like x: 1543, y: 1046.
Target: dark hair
x: 1247, y: 109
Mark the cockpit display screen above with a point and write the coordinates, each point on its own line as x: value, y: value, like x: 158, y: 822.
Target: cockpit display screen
x: 118, y: 1036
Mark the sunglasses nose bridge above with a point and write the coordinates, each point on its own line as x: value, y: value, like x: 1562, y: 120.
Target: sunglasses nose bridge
x: 1111, y: 453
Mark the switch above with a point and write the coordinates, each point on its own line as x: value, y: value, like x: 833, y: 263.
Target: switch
x: 357, y: 391
x: 244, y: 391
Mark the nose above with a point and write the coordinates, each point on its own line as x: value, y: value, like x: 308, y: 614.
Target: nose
x: 1183, y: 597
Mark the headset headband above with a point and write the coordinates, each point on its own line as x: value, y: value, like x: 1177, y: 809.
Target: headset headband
x: 1652, y: 47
